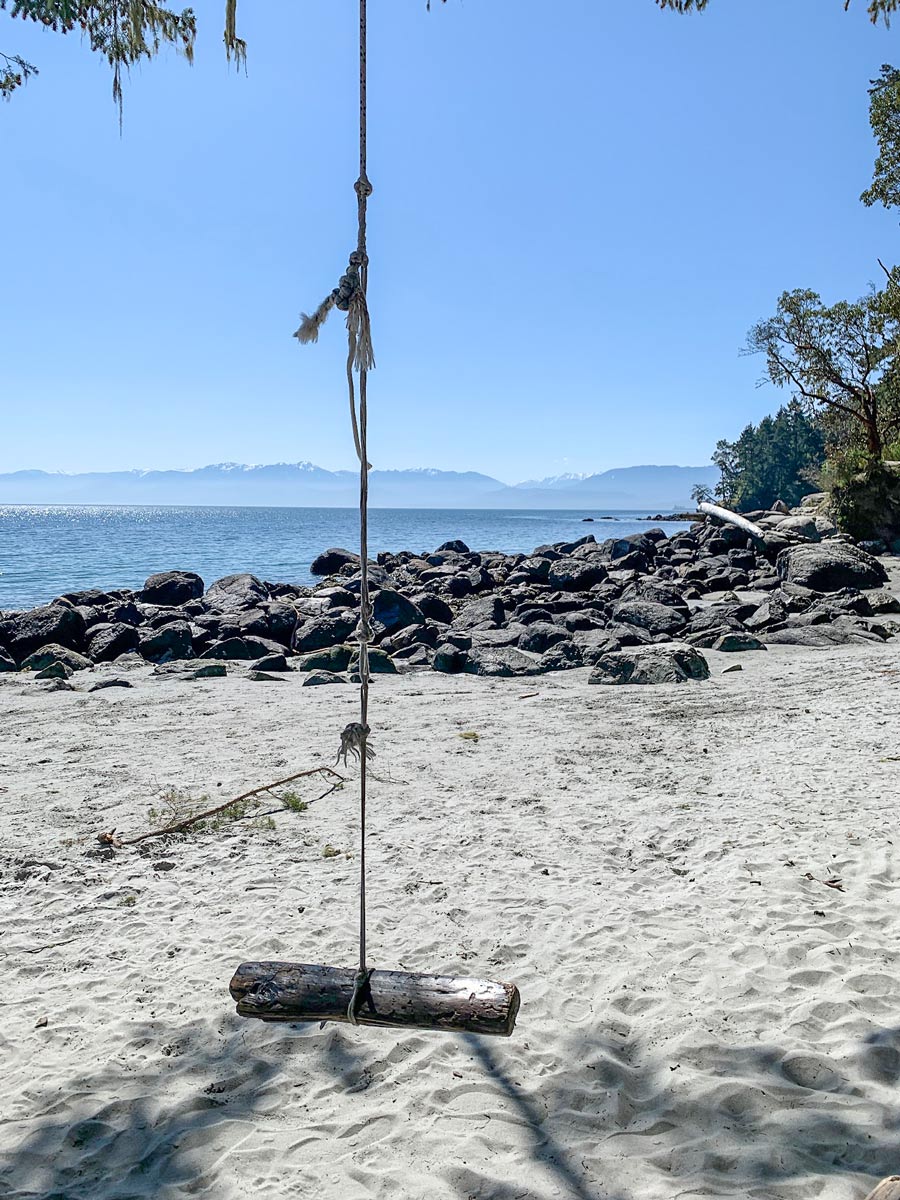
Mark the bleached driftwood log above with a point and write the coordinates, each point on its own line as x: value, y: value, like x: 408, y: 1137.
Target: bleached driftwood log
x: 730, y: 518
x: 888, y: 1189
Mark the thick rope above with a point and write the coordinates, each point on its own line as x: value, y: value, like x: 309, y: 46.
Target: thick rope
x: 350, y: 297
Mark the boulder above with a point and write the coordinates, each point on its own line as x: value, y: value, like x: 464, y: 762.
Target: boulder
x: 282, y: 621
x: 55, y: 670
x: 884, y: 602
x: 541, y: 636
x: 391, y: 612
x: 804, y: 527
x: 330, y: 660
x: 270, y: 662
x: 433, y: 608
x: 6, y: 663
x: 379, y: 663
x: 829, y: 566
x: 449, y: 659
x: 106, y: 642
x: 48, y: 655
x: 169, y: 642
x: 840, y: 633
x: 454, y: 547
x: 647, y: 614
x: 329, y: 562
x: 318, y: 678
x: 575, y: 574
x: 485, y: 613
x: 732, y: 643
x: 674, y: 662
x: 243, y: 649
x: 500, y: 662
x: 170, y: 588
x: 58, y: 624
x: 235, y: 593
x: 562, y: 657
x: 320, y: 632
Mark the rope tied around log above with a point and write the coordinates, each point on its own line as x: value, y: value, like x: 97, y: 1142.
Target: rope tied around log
x: 350, y: 297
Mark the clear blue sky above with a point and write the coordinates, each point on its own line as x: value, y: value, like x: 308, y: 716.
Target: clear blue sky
x: 579, y: 210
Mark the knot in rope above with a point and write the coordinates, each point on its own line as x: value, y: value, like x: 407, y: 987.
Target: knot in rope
x: 363, y: 187
x: 360, y: 989
x: 353, y: 742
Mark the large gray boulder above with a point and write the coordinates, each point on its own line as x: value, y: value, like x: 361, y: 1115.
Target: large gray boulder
x: 829, y: 566
x: 236, y: 593
x: 391, y: 611
x: 329, y: 562
x: 647, y: 614
x: 170, y: 588
x: 51, y: 655
x: 106, y: 642
x: 24, y: 632
x: 320, y: 632
x: 672, y: 662
x: 501, y: 661
x: 171, y: 641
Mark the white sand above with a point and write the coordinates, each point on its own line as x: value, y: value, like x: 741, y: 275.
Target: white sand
x: 698, y: 1018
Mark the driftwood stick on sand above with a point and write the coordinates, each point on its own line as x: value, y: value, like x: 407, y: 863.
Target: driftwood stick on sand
x: 109, y: 839
x: 730, y: 518
x: 888, y: 1189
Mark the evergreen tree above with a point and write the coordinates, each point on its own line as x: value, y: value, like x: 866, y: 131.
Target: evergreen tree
x: 774, y: 460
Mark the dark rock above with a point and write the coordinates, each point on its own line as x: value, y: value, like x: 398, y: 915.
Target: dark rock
x: 732, y: 668
x: 456, y: 547
x: 540, y: 637
x: 485, y: 613
x: 391, y: 612
x: 169, y: 642
x: 48, y: 655
x: 24, y: 632
x: 840, y: 633
x: 101, y: 684
x: 330, y: 562
x: 236, y: 593
x: 170, y: 588
x: 252, y: 623
x: 6, y: 663
x: 655, y: 618
x: 242, y: 649
x: 413, y: 635
x: 500, y: 662
x: 212, y: 670
x: 263, y: 677
x: 734, y: 642
x: 55, y: 670
x: 830, y: 566
x: 884, y: 602
x: 56, y: 685
x: 562, y: 657
x: 449, y: 659
x: 320, y: 632
x: 379, y: 662
x: 124, y: 614
x: 507, y: 636
x: 462, y: 641
x: 318, y: 678
x: 330, y: 660
x: 413, y: 658
x: 90, y: 597
x: 576, y: 574
x: 432, y: 607
x: 674, y: 662
x: 270, y: 662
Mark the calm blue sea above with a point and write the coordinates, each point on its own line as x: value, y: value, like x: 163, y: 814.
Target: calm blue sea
x: 45, y: 551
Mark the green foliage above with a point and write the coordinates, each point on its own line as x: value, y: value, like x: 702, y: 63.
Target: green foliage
x: 884, y: 117
x: 839, y: 359
x: 878, y: 10
x: 14, y: 71
x: 774, y: 460
x: 123, y: 31
x: 293, y: 803
x: 701, y: 494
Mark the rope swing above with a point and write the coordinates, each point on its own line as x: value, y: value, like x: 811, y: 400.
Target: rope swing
x: 303, y: 992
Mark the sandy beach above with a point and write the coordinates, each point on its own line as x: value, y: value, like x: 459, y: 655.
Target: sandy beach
x: 702, y: 1014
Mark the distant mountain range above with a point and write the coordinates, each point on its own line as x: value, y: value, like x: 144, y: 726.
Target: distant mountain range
x: 306, y: 485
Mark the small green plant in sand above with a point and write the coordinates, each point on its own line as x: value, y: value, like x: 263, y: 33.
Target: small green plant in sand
x: 470, y: 735
x: 328, y: 851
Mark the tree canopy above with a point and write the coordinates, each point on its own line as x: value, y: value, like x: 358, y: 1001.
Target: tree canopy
x: 839, y: 359
x: 778, y: 459
x: 126, y: 31
x: 884, y: 117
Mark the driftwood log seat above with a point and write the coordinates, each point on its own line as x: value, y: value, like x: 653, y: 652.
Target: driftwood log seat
x: 281, y: 991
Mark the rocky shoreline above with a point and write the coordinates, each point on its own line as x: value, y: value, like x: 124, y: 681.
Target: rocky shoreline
x: 637, y: 609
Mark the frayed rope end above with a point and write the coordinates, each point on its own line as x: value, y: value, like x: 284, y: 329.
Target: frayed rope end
x: 310, y: 324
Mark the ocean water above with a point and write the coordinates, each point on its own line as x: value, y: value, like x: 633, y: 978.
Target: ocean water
x: 48, y: 550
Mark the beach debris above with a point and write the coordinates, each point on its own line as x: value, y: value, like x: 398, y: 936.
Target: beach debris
x: 238, y: 808
x: 469, y: 735
x: 835, y: 883
x: 101, y: 684
x: 734, y: 667
x: 42, y: 1023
